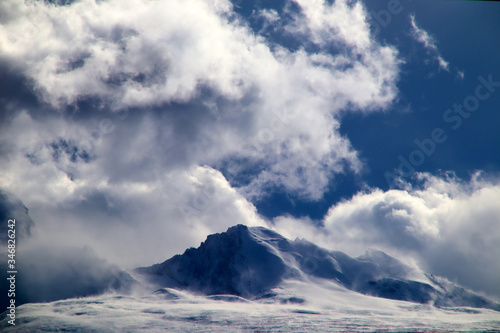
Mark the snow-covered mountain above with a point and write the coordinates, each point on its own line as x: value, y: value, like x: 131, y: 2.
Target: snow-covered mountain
x: 256, y: 263
x: 254, y: 280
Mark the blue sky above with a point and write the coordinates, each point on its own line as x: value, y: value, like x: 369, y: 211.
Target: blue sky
x: 138, y: 127
x: 464, y: 34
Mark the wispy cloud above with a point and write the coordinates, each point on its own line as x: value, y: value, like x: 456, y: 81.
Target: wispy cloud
x: 429, y: 43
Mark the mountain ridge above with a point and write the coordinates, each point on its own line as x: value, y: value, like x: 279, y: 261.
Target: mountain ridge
x: 251, y: 261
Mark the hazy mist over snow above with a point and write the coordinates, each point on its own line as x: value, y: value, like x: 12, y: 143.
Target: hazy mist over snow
x: 198, y: 314
x: 132, y: 129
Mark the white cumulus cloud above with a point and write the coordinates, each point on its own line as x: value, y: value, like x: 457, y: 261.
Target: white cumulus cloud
x: 225, y: 92
x: 450, y: 226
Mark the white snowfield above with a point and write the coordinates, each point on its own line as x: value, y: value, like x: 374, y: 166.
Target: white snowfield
x: 174, y: 311
x: 255, y: 280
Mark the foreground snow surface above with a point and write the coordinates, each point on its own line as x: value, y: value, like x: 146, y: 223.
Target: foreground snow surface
x: 283, y: 311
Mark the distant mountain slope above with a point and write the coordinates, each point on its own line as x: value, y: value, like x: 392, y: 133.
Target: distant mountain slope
x: 12, y: 208
x: 248, y: 262
x: 50, y: 272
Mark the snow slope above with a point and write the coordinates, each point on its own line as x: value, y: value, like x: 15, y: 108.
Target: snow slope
x: 251, y: 262
x: 325, y: 310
